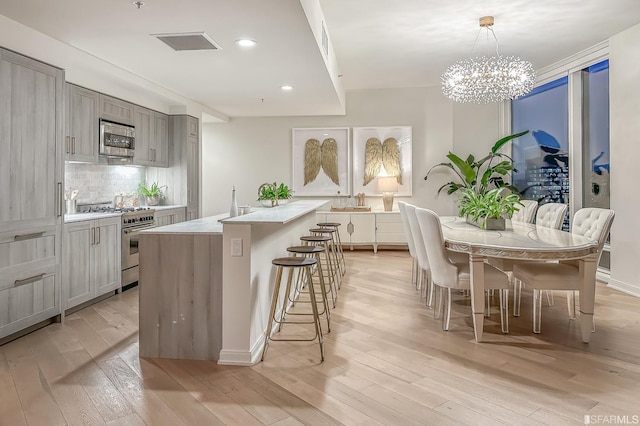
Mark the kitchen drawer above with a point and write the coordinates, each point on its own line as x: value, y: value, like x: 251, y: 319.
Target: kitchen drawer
x: 29, y: 302
x: 388, y: 218
x: 21, y: 250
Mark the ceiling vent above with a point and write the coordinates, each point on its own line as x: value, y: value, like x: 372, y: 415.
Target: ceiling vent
x: 188, y: 41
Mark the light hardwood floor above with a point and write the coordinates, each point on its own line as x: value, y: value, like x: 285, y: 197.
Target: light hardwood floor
x: 387, y: 362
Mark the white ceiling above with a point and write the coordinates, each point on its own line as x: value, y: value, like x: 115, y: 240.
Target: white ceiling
x: 378, y: 43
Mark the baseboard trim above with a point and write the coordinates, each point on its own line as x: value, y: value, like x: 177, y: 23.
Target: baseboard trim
x: 247, y: 358
x: 624, y: 287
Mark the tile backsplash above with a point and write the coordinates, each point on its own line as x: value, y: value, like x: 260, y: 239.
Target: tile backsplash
x: 100, y: 182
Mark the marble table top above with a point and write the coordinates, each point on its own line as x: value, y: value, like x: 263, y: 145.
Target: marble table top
x: 518, y: 241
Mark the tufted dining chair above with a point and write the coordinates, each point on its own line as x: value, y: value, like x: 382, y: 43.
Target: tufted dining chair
x: 592, y: 223
x: 415, y: 276
x: 550, y: 215
x: 421, y: 253
x: 447, y: 274
x: 526, y: 213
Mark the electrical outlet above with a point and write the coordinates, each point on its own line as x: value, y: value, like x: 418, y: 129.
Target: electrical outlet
x: 236, y: 247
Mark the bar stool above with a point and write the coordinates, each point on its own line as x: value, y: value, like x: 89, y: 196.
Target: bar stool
x: 292, y: 263
x: 314, y: 252
x: 333, y: 249
x: 336, y: 225
x: 323, y: 241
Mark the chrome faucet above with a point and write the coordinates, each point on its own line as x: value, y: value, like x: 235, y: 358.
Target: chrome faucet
x: 274, y: 202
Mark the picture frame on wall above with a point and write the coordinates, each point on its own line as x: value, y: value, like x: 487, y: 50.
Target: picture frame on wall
x: 382, y: 151
x: 321, y: 162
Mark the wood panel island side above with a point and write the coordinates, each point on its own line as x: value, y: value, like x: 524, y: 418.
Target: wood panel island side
x: 205, y: 285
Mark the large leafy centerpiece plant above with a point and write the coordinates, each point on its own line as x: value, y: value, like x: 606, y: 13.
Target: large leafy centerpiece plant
x: 484, y: 193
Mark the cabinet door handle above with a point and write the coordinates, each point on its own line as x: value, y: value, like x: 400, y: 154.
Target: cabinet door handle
x: 93, y: 236
x: 60, y: 200
x: 28, y: 236
x: 18, y: 283
x: 188, y: 196
x: 67, y: 145
x: 97, y: 235
x: 73, y: 144
x: 154, y: 155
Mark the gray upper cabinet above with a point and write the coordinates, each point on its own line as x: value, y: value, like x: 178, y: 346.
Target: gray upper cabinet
x: 152, y: 138
x: 31, y: 101
x: 193, y: 182
x: 143, y: 119
x: 81, y: 140
x: 116, y: 110
x: 192, y: 127
x: 185, y: 162
x: 160, y: 140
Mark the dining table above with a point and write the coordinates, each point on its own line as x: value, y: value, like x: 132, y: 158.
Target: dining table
x: 528, y: 242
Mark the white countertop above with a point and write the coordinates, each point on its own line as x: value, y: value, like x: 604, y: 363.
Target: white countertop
x: 281, y: 214
x: 214, y: 224
x: 156, y: 208
x: 80, y: 217
x: 205, y: 225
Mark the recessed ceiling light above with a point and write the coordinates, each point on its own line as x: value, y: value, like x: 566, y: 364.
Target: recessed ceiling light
x: 245, y: 42
x: 286, y: 87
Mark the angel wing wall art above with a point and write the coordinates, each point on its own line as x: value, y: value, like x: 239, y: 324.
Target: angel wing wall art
x: 321, y: 155
x: 321, y: 163
x: 377, y: 154
x: 381, y: 151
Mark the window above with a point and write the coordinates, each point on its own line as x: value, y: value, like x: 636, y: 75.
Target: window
x: 542, y: 156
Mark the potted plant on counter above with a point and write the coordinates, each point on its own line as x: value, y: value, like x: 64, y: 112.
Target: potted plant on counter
x: 153, y: 194
x: 486, y: 199
x: 272, y: 194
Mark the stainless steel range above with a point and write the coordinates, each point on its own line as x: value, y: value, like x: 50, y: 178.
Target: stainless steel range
x: 133, y: 221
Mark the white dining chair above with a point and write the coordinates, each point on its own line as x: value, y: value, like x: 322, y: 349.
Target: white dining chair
x: 593, y: 223
x: 447, y: 274
x: 527, y: 212
x: 421, y: 253
x: 412, y: 247
x: 550, y: 215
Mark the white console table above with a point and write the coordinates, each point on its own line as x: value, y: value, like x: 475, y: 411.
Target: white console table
x: 373, y: 228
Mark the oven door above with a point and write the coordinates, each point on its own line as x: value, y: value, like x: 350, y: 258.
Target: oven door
x: 130, y: 256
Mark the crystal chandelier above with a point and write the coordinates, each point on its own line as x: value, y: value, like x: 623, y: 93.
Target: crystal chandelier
x: 485, y: 79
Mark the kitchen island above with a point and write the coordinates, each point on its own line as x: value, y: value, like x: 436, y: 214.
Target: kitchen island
x: 206, y: 284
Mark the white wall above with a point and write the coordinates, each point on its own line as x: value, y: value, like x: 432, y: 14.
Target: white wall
x: 247, y: 152
x: 624, y: 86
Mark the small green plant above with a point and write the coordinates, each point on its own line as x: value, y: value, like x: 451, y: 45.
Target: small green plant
x: 490, y: 205
x: 268, y: 192
x: 153, y: 191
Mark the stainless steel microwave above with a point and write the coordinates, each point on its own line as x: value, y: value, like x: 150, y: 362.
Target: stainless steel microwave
x: 116, y: 140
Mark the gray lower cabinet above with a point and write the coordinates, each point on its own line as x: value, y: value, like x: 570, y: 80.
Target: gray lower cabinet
x: 29, y: 278
x: 92, y: 259
x: 81, y: 140
x: 170, y: 216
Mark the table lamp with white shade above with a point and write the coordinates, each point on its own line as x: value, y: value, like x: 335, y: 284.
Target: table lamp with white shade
x: 387, y: 185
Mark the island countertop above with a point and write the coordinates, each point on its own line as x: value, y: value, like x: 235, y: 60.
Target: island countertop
x: 281, y: 214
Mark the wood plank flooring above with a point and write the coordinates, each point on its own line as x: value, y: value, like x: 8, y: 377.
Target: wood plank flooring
x: 387, y: 363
